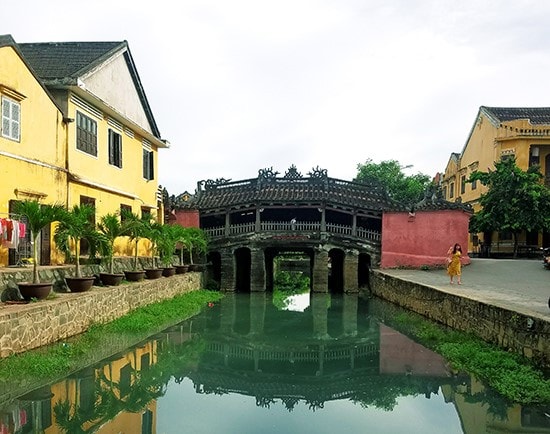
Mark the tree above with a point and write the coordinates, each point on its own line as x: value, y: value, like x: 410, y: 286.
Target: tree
x: 74, y: 226
x: 515, y: 201
x: 389, y: 173
x: 38, y: 217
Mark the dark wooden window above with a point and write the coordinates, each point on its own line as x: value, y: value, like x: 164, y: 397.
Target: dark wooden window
x: 115, y: 148
x: 86, y: 134
x: 462, y: 184
x: 124, y: 209
x: 148, y: 168
x: 451, y: 190
x: 146, y: 213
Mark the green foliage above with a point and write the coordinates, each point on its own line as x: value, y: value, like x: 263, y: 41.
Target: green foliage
x: 286, y: 283
x: 291, y: 282
x: 196, y: 242
x: 38, y: 217
x: 63, y: 357
x: 135, y: 228
x: 511, y: 375
x: 402, y: 188
x: 169, y: 235
x: 74, y: 226
x: 111, y: 228
x: 516, y: 200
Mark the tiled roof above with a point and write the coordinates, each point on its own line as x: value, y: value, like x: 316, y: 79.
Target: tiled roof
x: 62, y: 60
x: 300, y: 191
x: 536, y: 115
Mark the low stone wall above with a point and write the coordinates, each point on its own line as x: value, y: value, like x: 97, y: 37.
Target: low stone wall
x: 23, y: 327
x: 526, y: 335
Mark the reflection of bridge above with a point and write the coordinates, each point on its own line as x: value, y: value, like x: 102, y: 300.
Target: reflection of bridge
x: 336, y: 223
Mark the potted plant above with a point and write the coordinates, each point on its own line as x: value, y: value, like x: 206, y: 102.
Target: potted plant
x: 182, y: 238
x: 111, y: 228
x: 166, y: 247
x: 74, y: 226
x: 37, y: 217
x: 134, y: 228
x: 197, y: 245
x: 153, y: 232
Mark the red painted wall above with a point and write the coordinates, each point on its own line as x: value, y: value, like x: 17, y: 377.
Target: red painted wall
x: 185, y: 218
x: 423, y: 238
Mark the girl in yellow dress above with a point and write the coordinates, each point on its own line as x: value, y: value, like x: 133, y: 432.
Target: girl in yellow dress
x: 453, y: 267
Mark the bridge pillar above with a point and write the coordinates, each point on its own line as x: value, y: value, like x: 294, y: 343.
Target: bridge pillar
x: 257, y: 270
x: 319, y: 279
x: 227, y: 313
x: 257, y: 313
x: 227, y: 280
x: 350, y: 315
x: 319, y: 311
x: 351, y: 272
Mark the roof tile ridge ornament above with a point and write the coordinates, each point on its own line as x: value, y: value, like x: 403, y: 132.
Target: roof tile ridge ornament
x: 318, y: 174
x: 292, y: 173
x: 267, y: 175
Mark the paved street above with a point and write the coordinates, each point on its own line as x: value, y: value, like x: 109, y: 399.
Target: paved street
x: 522, y: 285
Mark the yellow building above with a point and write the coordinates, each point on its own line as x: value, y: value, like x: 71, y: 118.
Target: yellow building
x: 33, y: 151
x: 103, y: 145
x: 499, y: 132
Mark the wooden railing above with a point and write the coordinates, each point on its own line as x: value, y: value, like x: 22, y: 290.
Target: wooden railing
x: 288, y: 227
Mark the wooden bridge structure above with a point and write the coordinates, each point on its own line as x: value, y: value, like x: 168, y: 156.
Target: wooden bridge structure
x: 335, y: 223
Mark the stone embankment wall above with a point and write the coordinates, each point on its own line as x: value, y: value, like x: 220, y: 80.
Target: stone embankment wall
x: 526, y: 335
x: 23, y: 327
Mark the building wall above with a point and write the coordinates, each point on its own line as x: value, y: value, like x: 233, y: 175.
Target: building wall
x: 186, y: 218
x: 422, y: 238
x: 34, y: 166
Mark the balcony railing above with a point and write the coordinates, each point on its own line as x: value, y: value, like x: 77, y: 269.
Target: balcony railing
x: 300, y: 227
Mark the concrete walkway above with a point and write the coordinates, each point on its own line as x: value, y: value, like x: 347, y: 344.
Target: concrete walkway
x: 521, y: 285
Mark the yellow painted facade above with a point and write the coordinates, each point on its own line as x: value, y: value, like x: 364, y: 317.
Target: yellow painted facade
x: 32, y: 167
x: 49, y: 163
x: 490, y: 140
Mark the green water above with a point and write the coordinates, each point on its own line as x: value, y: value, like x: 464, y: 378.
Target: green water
x: 320, y: 364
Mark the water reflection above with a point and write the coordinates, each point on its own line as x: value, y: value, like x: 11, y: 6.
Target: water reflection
x: 340, y: 355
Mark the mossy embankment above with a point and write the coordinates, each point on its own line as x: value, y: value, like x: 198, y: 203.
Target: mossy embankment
x: 514, y: 377
x: 67, y: 356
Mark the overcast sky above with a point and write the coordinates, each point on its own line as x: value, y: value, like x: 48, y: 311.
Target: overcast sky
x: 237, y: 86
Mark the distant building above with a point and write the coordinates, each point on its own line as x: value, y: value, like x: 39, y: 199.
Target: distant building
x: 499, y: 132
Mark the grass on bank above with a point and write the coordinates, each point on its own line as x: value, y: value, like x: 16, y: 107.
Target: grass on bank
x: 511, y: 375
x: 63, y: 357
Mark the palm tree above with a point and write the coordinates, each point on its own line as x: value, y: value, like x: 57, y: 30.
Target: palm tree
x: 167, y: 243
x: 197, y: 242
x: 111, y: 228
x: 153, y: 232
x: 76, y: 225
x: 134, y: 228
x: 38, y: 217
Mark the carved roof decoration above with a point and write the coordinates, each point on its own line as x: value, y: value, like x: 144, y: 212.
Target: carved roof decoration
x: 268, y: 189
x: 433, y: 200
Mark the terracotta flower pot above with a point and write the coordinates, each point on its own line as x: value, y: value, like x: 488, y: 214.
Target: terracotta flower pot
x: 153, y: 273
x: 182, y: 269
x: 134, y: 275
x: 80, y: 284
x: 168, y: 271
x: 30, y: 290
x: 109, y: 279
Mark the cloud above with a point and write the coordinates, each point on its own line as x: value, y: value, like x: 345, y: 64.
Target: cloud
x: 243, y: 85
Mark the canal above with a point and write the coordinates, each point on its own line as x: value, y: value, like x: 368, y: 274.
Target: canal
x: 252, y: 363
